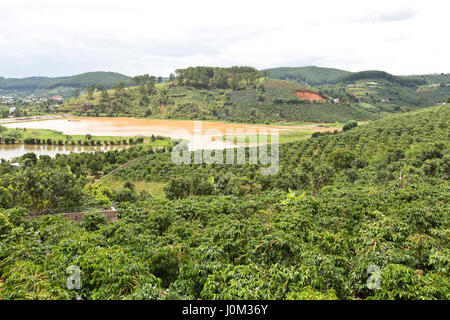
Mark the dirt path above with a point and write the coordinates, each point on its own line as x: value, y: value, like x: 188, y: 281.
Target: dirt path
x: 117, y: 169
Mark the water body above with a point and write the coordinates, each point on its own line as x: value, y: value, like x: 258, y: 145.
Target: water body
x: 201, y: 134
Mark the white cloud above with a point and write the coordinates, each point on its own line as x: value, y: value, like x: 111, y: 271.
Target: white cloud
x: 2, y: 40
x: 135, y: 37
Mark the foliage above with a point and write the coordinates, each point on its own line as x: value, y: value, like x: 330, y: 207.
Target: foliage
x: 311, y: 75
x: 77, y: 81
x: 374, y: 74
x: 341, y: 205
x: 92, y: 221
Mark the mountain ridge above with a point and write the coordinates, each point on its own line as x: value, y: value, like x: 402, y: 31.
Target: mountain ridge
x: 81, y: 80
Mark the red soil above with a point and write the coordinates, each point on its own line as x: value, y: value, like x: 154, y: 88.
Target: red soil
x: 308, y: 95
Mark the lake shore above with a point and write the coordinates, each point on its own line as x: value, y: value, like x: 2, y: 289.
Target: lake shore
x: 36, y: 118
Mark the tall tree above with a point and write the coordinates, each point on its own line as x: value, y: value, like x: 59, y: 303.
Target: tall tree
x: 90, y: 91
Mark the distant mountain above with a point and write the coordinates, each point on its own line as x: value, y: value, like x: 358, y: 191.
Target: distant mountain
x: 375, y: 74
x: 318, y: 75
x: 47, y: 83
x: 311, y: 75
x: 435, y: 78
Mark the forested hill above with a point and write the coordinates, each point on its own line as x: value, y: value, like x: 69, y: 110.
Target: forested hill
x: 319, y: 76
x: 311, y: 74
x: 375, y: 74
x: 244, y: 94
x: 76, y: 81
x: 238, y: 95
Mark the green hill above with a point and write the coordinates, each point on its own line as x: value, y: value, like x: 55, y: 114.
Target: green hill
x: 442, y: 78
x: 392, y: 93
x: 254, y: 99
x: 242, y: 94
x: 30, y: 84
x: 311, y: 74
x: 375, y: 74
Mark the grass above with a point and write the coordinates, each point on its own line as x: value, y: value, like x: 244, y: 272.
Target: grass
x: 154, y: 188
x: 317, y: 124
x: 285, y: 137
x: 360, y: 92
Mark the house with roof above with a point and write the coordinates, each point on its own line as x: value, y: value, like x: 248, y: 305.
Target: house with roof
x: 6, y: 100
x: 56, y: 98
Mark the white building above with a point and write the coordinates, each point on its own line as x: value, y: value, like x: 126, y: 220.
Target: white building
x: 5, y: 99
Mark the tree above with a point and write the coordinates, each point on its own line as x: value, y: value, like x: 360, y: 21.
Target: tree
x: 100, y: 87
x: 119, y: 88
x: 220, y: 79
x: 37, y: 190
x: 350, y: 125
x: 141, y: 79
x: 93, y: 221
x: 104, y: 96
x: 90, y: 91
x: 341, y: 158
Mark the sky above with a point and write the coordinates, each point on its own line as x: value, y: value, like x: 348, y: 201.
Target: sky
x: 59, y: 38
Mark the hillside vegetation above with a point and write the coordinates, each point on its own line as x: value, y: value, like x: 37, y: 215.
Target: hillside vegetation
x: 311, y: 75
x: 374, y: 74
x: 77, y: 81
x: 60, y: 84
x: 436, y: 78
x: 244, y: 94
x: 357, y: 214
x: 238, y: 94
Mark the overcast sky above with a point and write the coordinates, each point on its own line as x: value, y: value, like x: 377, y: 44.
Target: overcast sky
x: 56, y: 38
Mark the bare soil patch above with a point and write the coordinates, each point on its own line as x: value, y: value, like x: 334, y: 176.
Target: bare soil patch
x: 308, y: 95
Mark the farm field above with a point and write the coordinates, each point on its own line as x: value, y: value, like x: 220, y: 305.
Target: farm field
x: 225, y: 160
x: 353, y: 198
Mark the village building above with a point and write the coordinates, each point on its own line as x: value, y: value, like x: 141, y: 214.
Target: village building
x: 56, y: 98
x: 6, y: 100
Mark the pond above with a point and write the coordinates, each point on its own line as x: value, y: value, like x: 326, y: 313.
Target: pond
x: 201, y: 134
